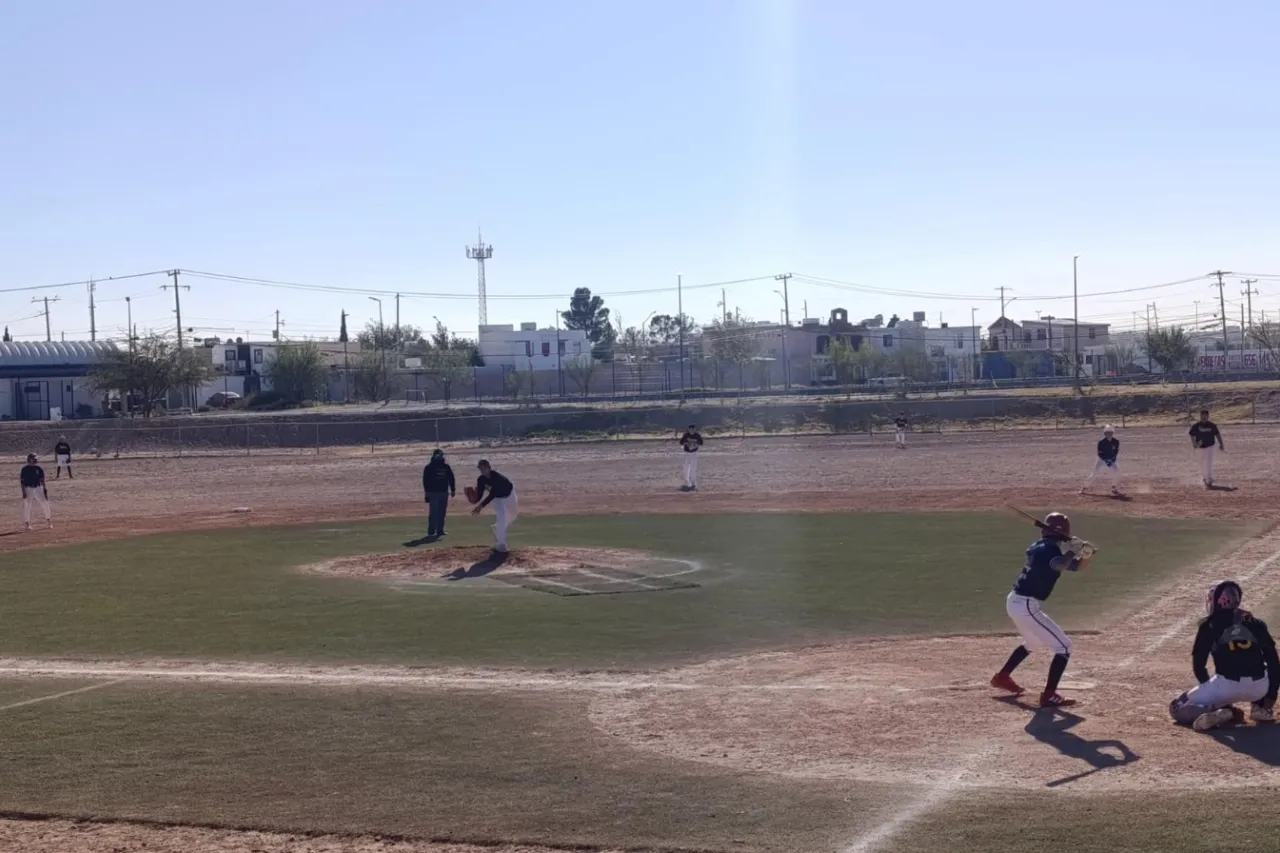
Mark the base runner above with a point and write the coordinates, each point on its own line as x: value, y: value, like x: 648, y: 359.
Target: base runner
x: 34, y: 491
x: 1206, y: 438
x: 1054, y: 553
x: 1246, y: 668
x: 1108, y: 456
x: 62, y: 455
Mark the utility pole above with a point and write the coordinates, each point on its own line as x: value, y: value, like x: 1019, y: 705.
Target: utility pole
x: 1075, y: 322
x: 680, y: 324
x: 128, y: 304
x: 48, y: 328
x: 1248, y: 292
x: 1148, y: 342
x: 93, y: 323
x: 1004, y: 325
x: 398, y: 318
x: 279, y: 323
x: 1222, y: 303
x: 724, y: 308
x: 786, y: 316
x: 1242, y: 337
x: 1049, y: 318
x: 177, y: 301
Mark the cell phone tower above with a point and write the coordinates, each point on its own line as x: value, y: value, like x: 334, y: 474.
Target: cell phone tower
x: 481, y: 253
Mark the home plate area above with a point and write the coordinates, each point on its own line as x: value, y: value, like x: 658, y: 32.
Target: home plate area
x: 558, y: 571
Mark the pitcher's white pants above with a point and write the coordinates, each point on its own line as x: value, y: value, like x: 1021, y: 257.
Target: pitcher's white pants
x: 900, y: 436
x: 34, y: 496
x: 1113, y: 472
x: 1038, y: 630
x: 64, y: 461
x: 691, y: 470
x: 505, y: 511
x: 1205, y: 455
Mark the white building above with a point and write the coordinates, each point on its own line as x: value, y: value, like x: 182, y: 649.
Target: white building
x: 532, y: 348
x: 42, y: 381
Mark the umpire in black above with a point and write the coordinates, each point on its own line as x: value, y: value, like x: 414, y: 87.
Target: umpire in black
x: 438, y: 486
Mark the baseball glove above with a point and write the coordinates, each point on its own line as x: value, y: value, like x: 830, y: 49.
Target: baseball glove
x: 1263, y: 714
x: 471, y: 493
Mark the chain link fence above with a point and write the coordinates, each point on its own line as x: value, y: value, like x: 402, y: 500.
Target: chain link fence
x: 285, y: 435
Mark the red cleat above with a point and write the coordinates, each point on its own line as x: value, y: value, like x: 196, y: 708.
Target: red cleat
x: 1054, y: 700
x: 1000, y: 681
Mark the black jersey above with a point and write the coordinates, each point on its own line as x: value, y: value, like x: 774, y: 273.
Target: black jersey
x: 437, y: 478
x: 1045, y: 563
x: 1241, y: 647
x: 1205, y: 433
x: 900, y: 423
x: 498, y: 486
x: 1109, y: 449
x: 62, y: 449
x: 691, y: 441
x: 32, y: 476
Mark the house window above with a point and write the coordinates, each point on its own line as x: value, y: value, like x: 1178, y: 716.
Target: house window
x: 528, y: 349
x: 546, y: 349
x: 959, y: 342
x: 562, y: 343
x: 577, y: 347
x: 823, y: 345
x: 230, y: 355
x: 257, y: 355
x: 1027, y: 337
x: 888, y: 340
x: 1039, y: 334
x: 1093, y: 333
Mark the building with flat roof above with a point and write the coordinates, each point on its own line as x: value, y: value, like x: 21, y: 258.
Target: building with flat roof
x: 41, y: 380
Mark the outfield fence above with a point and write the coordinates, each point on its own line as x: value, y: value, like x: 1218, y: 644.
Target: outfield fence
x: 286, y: 434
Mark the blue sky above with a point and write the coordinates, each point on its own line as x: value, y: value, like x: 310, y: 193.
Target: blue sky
x: 926, y: 147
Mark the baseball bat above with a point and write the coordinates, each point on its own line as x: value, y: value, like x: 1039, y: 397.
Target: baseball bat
x: 1037, y: 522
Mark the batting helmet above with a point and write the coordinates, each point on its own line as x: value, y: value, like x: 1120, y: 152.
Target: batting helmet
x: 1225, y: 595
x: 1057, y: 524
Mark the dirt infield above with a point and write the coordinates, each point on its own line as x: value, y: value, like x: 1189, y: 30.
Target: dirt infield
x: 447, y: 562
x: 114, y: 498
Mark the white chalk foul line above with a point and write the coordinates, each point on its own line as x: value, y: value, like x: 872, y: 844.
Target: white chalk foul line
x: 934, y: 798
x: 37, y: 700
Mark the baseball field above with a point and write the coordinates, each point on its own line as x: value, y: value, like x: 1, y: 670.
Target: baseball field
x: 262, y: 653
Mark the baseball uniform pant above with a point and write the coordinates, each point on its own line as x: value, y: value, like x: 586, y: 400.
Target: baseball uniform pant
x: 505, y: 511
x: 34, y: 496
x: 1205, y: 455
x: 691, y: 470
x: 438, y: 506
x: 1217, y: 692
x: 1112, y: 470
x: 1037, y: 629
x: 64, y: 461
x: 901, y: 437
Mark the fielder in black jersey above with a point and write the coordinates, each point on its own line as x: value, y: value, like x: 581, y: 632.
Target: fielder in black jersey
x: 900, y: 425
x: 34, y: 491
x: 1206, y: 438
x: 1108, y: 461
x: 690, y: 443
x: 1246, y: 668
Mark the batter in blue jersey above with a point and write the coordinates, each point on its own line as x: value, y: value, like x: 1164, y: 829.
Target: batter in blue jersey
x: 1047, y: 558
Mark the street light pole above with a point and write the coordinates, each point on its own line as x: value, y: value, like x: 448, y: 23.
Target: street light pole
x: 786, y: 311
x: 680, y: 324
x: 382, y: 349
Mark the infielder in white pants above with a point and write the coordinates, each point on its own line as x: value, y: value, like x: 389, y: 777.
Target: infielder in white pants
x: 34, y: 491
x: 900, y: 424
x: 690, y: 442
x: 1206, y: 438
x: 501, y: 492
x: 1108, y: 456
x: 1245, y: 663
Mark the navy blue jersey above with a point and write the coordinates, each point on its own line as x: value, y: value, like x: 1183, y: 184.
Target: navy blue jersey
x: 1205, y: 433
x: 1039, y: 575
x: 1108, y: 449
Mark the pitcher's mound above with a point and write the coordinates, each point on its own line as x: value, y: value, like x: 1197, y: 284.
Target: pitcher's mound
x: 560, y: 571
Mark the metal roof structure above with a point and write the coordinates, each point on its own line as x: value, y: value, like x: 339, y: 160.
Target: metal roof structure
x: 55, y: 353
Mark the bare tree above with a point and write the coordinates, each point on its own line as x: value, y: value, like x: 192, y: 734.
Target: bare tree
x: 1267, y: 337
x: 581, y: 370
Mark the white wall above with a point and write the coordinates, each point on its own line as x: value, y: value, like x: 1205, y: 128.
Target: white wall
x: 543, y: 349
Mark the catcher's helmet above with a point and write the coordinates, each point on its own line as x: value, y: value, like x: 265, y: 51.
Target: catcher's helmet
x: 1224, y: 595
x: 1057, y: 524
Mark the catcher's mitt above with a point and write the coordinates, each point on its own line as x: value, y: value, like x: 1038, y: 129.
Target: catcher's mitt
x: 471, y: 493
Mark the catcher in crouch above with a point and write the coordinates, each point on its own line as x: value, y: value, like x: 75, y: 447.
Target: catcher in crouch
x: 1246, y: 668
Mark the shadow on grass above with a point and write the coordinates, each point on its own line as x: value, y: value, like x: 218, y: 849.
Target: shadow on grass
x: 424, y: 540
x: 480, y: 569
x: 1216, y: 488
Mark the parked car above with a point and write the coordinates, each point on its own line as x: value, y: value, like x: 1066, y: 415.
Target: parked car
x: 223, y: 399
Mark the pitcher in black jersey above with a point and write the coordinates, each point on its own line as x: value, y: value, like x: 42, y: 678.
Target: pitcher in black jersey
x: 1056, y: 552
x: 1245, y: 665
